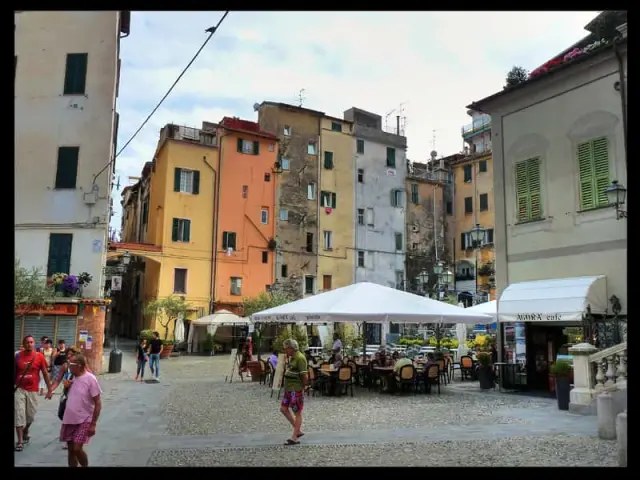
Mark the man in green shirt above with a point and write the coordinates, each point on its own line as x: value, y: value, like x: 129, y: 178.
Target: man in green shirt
x: 295, y: 383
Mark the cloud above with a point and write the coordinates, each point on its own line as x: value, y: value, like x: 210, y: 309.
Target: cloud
x: 434, y: 63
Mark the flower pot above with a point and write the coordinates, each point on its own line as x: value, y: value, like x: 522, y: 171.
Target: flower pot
x: 563, y: 389
x: 166, y: 351
x: 255, y: 369
x: 485, y: 375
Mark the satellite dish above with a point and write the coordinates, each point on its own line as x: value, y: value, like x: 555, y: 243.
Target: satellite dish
x: 256, y: 107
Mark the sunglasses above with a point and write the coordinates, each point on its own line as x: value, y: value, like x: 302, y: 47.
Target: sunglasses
x: 71, y: 364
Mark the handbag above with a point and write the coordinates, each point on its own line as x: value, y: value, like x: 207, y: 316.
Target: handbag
x: 63, y: 402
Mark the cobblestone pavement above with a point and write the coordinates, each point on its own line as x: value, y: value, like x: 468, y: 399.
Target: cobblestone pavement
x: 192, y: 417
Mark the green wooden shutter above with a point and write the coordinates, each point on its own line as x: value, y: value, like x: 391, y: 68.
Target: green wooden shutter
x: 359, y: 146
x: 75, y: 77
x: 256, y: 148
x: 463, y: 246
x: 522, y: 192
x: 225, y: 240
x: 535, y: 190
x: 196, y: 182
x: 391, y: 157
x: 600, y: 148
x: 176, y: 179
x: 393, y: 198
x: 328, y: 160
x: 240, y: 145
x: 186, y: 234
x: 59, y: 253
x: 585, y: 176
x: 174, y: 230
x: 334, y: 200
x: 67, y: 169
x: 232, y: 240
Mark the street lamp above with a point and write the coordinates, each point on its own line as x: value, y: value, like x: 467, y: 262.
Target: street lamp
x: 423, y: 278
x: 617, y: 194
x: 447, y: 277
x: 477, y: 237
x: 126, y: 258
x: 437, y: 268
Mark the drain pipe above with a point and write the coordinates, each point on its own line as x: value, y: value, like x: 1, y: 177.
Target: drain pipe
x: 623, y: 96
x: 214, y: 235
x: 216, y: 223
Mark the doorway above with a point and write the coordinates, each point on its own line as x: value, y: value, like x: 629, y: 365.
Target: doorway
x: 542, y: 345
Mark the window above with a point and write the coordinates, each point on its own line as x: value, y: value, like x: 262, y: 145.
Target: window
x: 264, y: 215
x: 465, y: 241
x: 360, y: 175
x: 309, y: 284
x: 482, y: 166
x: 397, y: 199
x: 284, y: 215
x: 468, y: 205
x: 311, y: 191
x: 309, y: 242
x: 370, y: 222
x: 311, y: 148
x: 228, y: 240
x: 59, y: 259
x: 265, y: 257
x: 467, y: 173
x: 360, y: 258
x: 328, y: 240
x: 179, y: 280
x: 186, y: 181
x: 399, y: 243
x: 528, y: 194
x: 361, y: 216
x: 414, y: 246
x: 287, y: 130
x: 326, y: 282
x: 284, y: 271
x: 236, y: 286
x: 449, y: 208
x: 267, y: 177
x: 284, y: 163
x: 248, y: 147
x: 145, y: 211
x: 181, y: 231
x: 336, y: 127
x: 489, y: 236
x: 593, y: 169
x: 67, y: 170
x: 245, y: 191
x: 415, y: 198
x: 359, y: 146
x: 328, y: 199
x: 75, y: 76
x: 391, y: 157
x: 328, y: 160
x: 484, y: 202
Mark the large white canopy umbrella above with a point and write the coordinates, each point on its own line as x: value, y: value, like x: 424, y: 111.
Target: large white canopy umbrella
x: 368, y: 302
x: 488, y: 308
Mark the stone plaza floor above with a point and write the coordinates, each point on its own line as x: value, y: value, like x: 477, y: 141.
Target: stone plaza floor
x: 193, y: 418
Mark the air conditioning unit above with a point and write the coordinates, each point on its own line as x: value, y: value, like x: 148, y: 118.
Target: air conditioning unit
x: 90, y: 198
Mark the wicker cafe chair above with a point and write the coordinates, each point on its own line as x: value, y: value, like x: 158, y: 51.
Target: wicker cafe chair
x: 373, y: 376
x: 270, y: 374
x: 406, y: 376
x: 345, y: 379
x: 315, y: 383
x: 263, y: 371
x: 432, y: 377
x: 354, y: 369
x: 466, y: 367
x: 442, y: 366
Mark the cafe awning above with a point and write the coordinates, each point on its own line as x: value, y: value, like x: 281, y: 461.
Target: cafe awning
x: 553, y: 300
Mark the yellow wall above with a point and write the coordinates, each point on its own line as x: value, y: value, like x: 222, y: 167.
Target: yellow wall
x: 482, y: 182
x: 339, y: 261
x: 165, y: 205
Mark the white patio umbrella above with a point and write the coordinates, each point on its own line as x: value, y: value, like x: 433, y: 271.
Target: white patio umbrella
x: 178, y: 333
x: 488, y: 308
x: 215, y: 320
x: 368, y: 302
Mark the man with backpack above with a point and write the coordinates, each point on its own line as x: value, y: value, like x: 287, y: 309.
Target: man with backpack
x: 29, y: 364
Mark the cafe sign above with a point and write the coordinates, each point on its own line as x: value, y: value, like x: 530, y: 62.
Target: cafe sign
x: 538, y: 317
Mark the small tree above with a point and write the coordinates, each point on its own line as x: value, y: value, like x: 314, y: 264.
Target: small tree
x: 257, y: 304
x: 30, y: 290
x: 516, y: 76
x: 168, y: 310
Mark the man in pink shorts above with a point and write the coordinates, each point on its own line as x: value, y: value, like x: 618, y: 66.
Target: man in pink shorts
x: 295, y: 383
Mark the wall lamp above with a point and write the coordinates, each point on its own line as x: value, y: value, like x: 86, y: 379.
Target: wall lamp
x: 617, y: 195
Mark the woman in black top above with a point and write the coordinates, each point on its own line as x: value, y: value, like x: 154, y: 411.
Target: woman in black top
x: 59, y: 359
x: 142, y: 358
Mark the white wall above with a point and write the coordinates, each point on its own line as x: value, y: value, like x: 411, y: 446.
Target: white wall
x: 46, y: 119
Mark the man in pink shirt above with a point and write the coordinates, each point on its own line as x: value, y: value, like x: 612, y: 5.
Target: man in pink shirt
x: 82, y: 411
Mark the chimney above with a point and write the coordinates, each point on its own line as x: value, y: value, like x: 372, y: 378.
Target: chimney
x: 397, y: 124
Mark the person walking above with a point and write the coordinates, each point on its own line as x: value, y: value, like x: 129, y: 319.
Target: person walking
x: 142, y: 358
x: 47, y: 351
x: 296, y: 378
x: 64, y: 375
x: 155, y: 350
x: 29, y: 364
x: 82, y: 411
x: 59, y: 359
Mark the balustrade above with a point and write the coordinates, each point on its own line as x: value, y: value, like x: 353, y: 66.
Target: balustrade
x: 609, y: 368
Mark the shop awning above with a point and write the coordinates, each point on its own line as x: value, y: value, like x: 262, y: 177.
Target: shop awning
x: 553, y: 300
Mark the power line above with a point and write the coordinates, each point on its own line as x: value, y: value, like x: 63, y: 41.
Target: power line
x: 211, y: 31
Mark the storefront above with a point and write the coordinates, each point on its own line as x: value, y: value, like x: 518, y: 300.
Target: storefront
x: 534, y: 318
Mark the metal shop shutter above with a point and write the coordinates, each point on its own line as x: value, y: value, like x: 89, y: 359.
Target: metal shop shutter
x: 67, y: 330
x: 40, y: 326
x: 17, y: 333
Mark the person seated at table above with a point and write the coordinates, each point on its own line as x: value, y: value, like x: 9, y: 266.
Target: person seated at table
x: 401, y: 362
x: 337, y: 360
x: 273, y: 359
x: 394, y: 356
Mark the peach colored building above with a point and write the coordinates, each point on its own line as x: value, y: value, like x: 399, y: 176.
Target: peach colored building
x: 245, y: 227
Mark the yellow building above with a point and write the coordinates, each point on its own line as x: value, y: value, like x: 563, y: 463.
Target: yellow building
x: 473, y: 205
x: 176, y: 215
x: 336, y: 207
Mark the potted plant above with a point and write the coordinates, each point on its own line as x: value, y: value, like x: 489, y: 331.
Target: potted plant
x: 562, y: 371
x: 56, y: 281
x: 167, y: 348
x: 70, y: 285
x: 485, y: 371
x: 208, y: 346
x: 84, y: 279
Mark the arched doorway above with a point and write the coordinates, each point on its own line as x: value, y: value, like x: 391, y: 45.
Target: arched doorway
x: 466, y: 298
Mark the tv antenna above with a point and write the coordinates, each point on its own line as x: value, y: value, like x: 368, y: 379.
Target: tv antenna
x: 433, y: 139
x: 301, y: 97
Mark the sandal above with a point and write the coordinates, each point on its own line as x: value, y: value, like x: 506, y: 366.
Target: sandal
x: 291, y: 442
x: 25, y: 439
x: 301, y: 434
x: 19, y: 447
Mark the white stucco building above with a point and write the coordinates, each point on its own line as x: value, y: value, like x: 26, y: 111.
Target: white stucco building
x: 66, y: 83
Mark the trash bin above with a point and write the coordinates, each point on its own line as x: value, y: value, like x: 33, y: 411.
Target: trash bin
x: 115, y: 361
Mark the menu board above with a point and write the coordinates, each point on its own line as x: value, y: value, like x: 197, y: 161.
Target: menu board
x: 278, y: 376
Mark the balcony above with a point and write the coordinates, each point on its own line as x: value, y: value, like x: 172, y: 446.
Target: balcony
x: 476, y: 127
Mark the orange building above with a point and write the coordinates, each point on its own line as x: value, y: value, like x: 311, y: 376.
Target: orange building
x: 245, y: 228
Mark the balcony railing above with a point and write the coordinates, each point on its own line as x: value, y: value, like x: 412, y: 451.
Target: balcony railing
x: 476, y: 126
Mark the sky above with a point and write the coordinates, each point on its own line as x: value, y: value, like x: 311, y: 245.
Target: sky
x: 430, y: 64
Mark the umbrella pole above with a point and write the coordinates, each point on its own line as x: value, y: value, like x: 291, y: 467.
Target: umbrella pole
x: 364, y: 339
